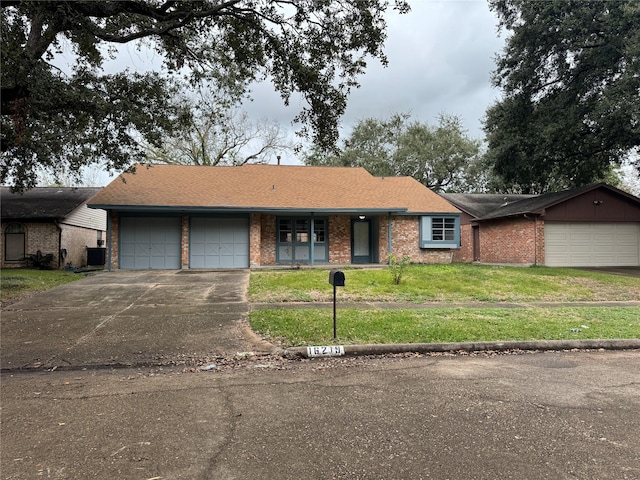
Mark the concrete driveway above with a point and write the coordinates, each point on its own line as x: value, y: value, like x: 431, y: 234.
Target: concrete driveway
x: 129, y: 318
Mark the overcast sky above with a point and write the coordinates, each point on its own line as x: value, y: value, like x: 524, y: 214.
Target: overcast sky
x: 441, y: 56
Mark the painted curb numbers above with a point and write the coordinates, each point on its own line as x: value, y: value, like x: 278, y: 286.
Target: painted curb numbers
x: 325, y: 351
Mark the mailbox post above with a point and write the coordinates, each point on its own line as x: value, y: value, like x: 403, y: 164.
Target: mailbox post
x: 336, y: 278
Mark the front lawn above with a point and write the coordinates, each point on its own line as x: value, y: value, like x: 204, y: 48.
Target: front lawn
x: 15, y: 284
x: 441, y: 284
x: 435, y: 325
x: 446, y: 283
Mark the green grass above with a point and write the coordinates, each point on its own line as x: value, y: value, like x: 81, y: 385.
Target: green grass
x: 293, y: 327
x: 16, y: 283
x: 446, y: 283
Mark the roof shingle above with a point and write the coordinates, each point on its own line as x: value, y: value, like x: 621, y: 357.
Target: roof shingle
x: 44, y: 202
x: 268, y: 187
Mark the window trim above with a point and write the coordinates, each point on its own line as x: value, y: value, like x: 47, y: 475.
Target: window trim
x: 426, y: 231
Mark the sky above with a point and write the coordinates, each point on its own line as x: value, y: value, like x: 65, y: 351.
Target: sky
x: 441, y: 56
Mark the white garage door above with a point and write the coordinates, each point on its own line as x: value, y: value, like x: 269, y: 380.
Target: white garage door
x: 150, y: 243
x: 592, y: 244
x: 219, y: 243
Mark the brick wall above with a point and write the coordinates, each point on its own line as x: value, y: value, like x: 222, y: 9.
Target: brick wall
x: 255, y: 234
x: 383, y: 239
x: 515, y: 240
x: 185, y: 242
x: 113, y: 240
x: 76, y: 240
x: 48, y: 238
x: 339, y: 239
x: 406, y: 242
x: 465, y: 253
x: 38, y: 236
x: 267, y: 239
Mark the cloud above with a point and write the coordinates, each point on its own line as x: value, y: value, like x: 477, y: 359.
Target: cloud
x: 441, y: 56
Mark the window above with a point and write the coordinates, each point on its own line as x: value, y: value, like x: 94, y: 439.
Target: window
x: 302, y: 230
x: 297, y: 242
x: 440, y: 231
x: 285, y: 229
x: 443, y: 229
x: 319, y: 230
x: 14, y: 236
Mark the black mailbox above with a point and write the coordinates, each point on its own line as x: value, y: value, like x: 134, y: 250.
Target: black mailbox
x: 336, y: 278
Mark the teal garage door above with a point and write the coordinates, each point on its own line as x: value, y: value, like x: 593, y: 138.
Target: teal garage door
x: 219, y: 243
x: 150, y: 243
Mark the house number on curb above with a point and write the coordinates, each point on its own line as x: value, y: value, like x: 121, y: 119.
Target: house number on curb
x: 327, y: 351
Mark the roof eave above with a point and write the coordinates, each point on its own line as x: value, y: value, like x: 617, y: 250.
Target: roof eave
x: 193, y: 209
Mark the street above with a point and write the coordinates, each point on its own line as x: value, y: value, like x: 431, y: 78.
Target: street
x: 555, y: 415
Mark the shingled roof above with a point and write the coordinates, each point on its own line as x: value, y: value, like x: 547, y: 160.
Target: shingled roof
x: 481, y: 204
x: 267, y: 188
x: 490, y: 206
x: 43, y: 203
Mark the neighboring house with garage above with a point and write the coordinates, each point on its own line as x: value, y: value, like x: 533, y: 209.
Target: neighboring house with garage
x: 178, y: 217
x: 51, y: 220
x: 594, y: 225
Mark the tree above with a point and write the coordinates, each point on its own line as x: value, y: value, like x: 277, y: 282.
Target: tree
x: 220, y: 135
x: 442, y: 158
x: 570, y: 74
x: 317, y: 48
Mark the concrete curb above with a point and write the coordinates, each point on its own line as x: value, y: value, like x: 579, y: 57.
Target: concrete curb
x: 381, y: 349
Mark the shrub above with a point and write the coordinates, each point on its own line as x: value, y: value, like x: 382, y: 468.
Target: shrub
x: 39, y: 261
x: 397, y: 267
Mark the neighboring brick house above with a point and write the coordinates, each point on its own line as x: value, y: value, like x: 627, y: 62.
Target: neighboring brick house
x: 595, y: 225
x: 178, y: 217
x: 52, y: 220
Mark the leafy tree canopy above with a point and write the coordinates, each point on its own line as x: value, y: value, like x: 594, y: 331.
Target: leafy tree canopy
x: 51, y: 118
x: 442, y: 158
x: 570, y: 74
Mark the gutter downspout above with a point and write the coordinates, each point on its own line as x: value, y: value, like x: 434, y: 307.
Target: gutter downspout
x: 57, y: 224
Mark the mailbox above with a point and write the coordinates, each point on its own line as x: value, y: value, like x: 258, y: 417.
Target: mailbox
x: 336, y: 278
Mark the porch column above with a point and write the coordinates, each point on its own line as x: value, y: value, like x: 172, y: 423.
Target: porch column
x: 311, y: 243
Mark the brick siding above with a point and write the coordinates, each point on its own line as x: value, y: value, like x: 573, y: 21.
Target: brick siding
x: 406, y: 242
x: 48, y: 238
x: 267, y: 240
x: 339, y: 239
x: 516, y: 240
x: 114, y: 241
x: 465, y: 253
x: 76, y: 240
x: 184, y: 238
x: 263, y: 233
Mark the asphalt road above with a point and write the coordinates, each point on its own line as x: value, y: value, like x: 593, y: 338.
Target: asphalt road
x: 554, y: 415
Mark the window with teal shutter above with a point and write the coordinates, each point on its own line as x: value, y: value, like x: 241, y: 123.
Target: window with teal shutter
x: 440, y: 231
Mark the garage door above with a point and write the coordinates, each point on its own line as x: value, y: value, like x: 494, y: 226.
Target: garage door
x: 150, y: 243
x: 592, y: 244
x: 219, y: 243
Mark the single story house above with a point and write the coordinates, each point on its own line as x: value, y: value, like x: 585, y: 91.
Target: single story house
x: 51, y: 220
x: 179, y: 217
x: 594, y: 225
